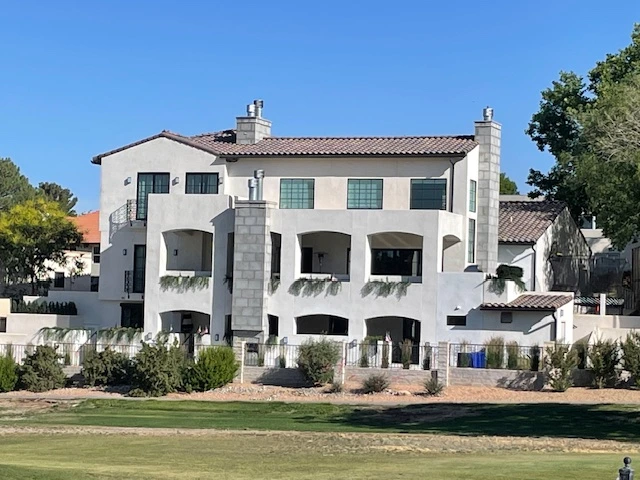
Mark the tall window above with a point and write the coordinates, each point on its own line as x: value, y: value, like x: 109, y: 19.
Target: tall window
x: 471, y: 243
x: 96, y: 254
x: 429, y: 194
x: 58, y: 280
x: 132, y: 315
x: 473, y: 188
x: 149, y: 183
x: 139, y: 267
x: 202, y: 183
x: 396, y: 262
x: 296, y: 193
x: 364, y: 194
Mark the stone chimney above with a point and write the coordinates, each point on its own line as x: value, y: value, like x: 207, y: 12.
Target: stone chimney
x: 252, y: 128
x: 487, y: 134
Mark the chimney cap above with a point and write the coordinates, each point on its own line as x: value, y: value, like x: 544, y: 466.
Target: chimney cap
x: 258, y: 103
x: 487, y: 114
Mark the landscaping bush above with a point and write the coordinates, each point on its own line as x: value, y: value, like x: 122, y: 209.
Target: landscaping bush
x: 631, y: 356
x: 494, y: 349
x: 513, y: 355
x: 159, y: 369
x: 560, y: 363
x: 375, y: 383
x: 106, y: 368
x: 41, y: 370
x: 534, y: 358
x: 64, y: 308
x: 603, y: 356
x: 317, y: 359
x: 8, y: 373
x: 406, y: 348
x: 335, y: 387
x: 433, y: 387
x: 464, y: 359
x: 581, y: 348
x: 214, y: 368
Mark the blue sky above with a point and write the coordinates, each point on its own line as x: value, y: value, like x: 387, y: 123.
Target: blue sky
x: 81, y: 78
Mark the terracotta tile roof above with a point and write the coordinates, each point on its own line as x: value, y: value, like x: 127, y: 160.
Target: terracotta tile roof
x: 525, y: 222
x: 223, y: 144
x: 88, y: 224
x: 531, y: 301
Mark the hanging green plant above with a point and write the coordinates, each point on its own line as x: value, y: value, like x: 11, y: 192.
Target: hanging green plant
x: 118, y: 334
x: 183, y: 284
x: 384, y: 288
x: 504, y: 274
x: 315, y: 286
x: 274, y: 283
x: 228, y: 281
x: 57, y: 334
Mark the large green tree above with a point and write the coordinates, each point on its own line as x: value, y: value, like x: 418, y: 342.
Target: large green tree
x: 14, y: 187
x: 31, y: 234
x: 60, y: 195
x: 507, y: 186
x: 569, y: 124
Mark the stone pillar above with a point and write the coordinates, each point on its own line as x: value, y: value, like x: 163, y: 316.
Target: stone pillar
x: 442, y: 363
x: 251, y: 269
x: 487, y: 134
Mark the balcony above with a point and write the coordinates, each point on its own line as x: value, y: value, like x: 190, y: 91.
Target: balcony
x: 325, y: 255
x: 125, y: 216
x: 133, y: 282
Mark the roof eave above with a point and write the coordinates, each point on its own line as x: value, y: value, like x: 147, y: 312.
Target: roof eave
x: 323, y: 155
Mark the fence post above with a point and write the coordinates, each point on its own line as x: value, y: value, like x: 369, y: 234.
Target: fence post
x: 243, y: 346
x: 343, y: 364
x: 626, y: 472
x: 442, y: 363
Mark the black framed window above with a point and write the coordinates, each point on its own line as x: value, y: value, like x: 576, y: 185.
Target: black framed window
x: 297, y: 193
x: 457, y: 320
x: 429, y: 194
x: 58, y: 280
x: 473, y: 194
x: 364, y: 194
x: 506, y: 317
x: 273, y: 325
x: 95, y: 284
x: 471, y: 242
x: 202, y: 183
x: 132, y: 315
x: 139, y: 267
x: 3, y: 324
x: 149, y: 183
x: 406, y: 262
x: 322, y: 325
x: 96, y: 253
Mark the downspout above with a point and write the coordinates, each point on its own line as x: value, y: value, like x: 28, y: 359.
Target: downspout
x: 555, y: 326
x: 535, y: 260
x: 451, y: 181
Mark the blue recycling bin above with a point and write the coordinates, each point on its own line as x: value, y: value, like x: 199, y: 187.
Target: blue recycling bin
x: 478, y: 360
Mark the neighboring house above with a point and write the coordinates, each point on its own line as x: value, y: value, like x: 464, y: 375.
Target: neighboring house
x: 81, y: 271
x: 542, y: 238
x: 247, y: 236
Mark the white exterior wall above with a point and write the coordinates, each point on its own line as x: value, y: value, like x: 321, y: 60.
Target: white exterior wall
x: 522, y: 256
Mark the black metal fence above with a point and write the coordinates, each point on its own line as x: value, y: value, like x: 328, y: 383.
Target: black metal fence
x: 497, y: 355
x: 71, y: 354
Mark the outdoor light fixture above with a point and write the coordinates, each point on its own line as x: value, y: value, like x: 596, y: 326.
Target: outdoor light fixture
x: 127, y: 180
x: 176, y: 180
x: 217, y: 337
x: 175, y: 252
x: 124, y: 251
x: 285, y: 340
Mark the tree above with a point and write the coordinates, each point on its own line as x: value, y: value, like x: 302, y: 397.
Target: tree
x: 56, y: 193
x: 571, y: 123
x: 32, y: 233
x: 14, y: 187
x: 507, y: 186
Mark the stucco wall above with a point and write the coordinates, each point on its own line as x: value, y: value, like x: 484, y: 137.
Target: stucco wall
x: 522, y: 256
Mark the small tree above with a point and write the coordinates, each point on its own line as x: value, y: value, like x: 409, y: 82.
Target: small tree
x: 8, y: 373
x: 158, y: 369
x: 603, y: 356
x: 560, y: 363
x: 214, y: 368
x: 631, y: 355
x: 41, y: 370
x: 317, y: 360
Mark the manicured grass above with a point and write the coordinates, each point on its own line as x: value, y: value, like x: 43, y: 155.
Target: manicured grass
x: 73, y: 457
x: 612, y: 422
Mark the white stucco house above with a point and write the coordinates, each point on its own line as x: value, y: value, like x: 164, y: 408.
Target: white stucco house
x: 247, y: 235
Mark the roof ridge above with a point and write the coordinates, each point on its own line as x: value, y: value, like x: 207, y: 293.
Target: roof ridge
x: 367, y: 137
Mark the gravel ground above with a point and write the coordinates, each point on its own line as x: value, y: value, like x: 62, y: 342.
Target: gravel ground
x: 249, y: 392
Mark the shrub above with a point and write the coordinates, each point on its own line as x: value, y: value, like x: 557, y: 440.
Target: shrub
x: 41, y: 370
x: 534, y: 358
x: 8, y: 373
x: 106, y: 368
x: 464, y: 360
x: 581, y: 348
x: 317, y: 359
x: 433, y: 387
x: 513, y: 355
x: 282, y: 361
x: 385, y: 355
x: 603, y: 356
x: 406, y: 349
x: 494, y: 348
x: 336, y: 387
x: 375, y: 383
x: 631, y: 355
x: 214, y: 368
x: 560, y: 363
x: 159, y: 369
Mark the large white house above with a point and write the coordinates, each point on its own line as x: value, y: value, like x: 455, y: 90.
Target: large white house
x: 246, y: 235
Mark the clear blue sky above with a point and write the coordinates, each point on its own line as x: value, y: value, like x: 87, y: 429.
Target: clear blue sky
x: 81, y: 78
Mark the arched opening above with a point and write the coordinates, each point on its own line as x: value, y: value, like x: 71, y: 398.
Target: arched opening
x: 188, y: 252
x: 322, y: 325
x: 326, y: 253
x: 187, y: 323
x: 396, y: 254
x: 453, y: 253
x: 399, y: 331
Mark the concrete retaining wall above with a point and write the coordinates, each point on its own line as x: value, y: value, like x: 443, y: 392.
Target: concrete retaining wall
x: 396, y: 376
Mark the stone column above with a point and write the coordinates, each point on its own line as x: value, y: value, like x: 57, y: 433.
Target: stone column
x: 487, y: 134
x: 251, y: 269
x: 442, y: 363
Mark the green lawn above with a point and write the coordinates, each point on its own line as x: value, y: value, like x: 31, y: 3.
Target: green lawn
x: 71, y: 457
x: 610, y: 422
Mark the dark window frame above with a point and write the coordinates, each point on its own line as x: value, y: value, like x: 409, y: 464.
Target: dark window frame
x: 129, y: 321
x: 334, y: 322
x: 95, y: 255
x: 200, y: 186
x: 139, y: 272
x: 95, y: 284
x: 375, y: 268
x: 471, y: 241
x: 473, y: 196
x: 289, y: 202
x: 142, y: 200
x: 419, y: 196
x: 506, y: 317
x: 58, y: 280
x: 359, y: 182
x: 456, y: 320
